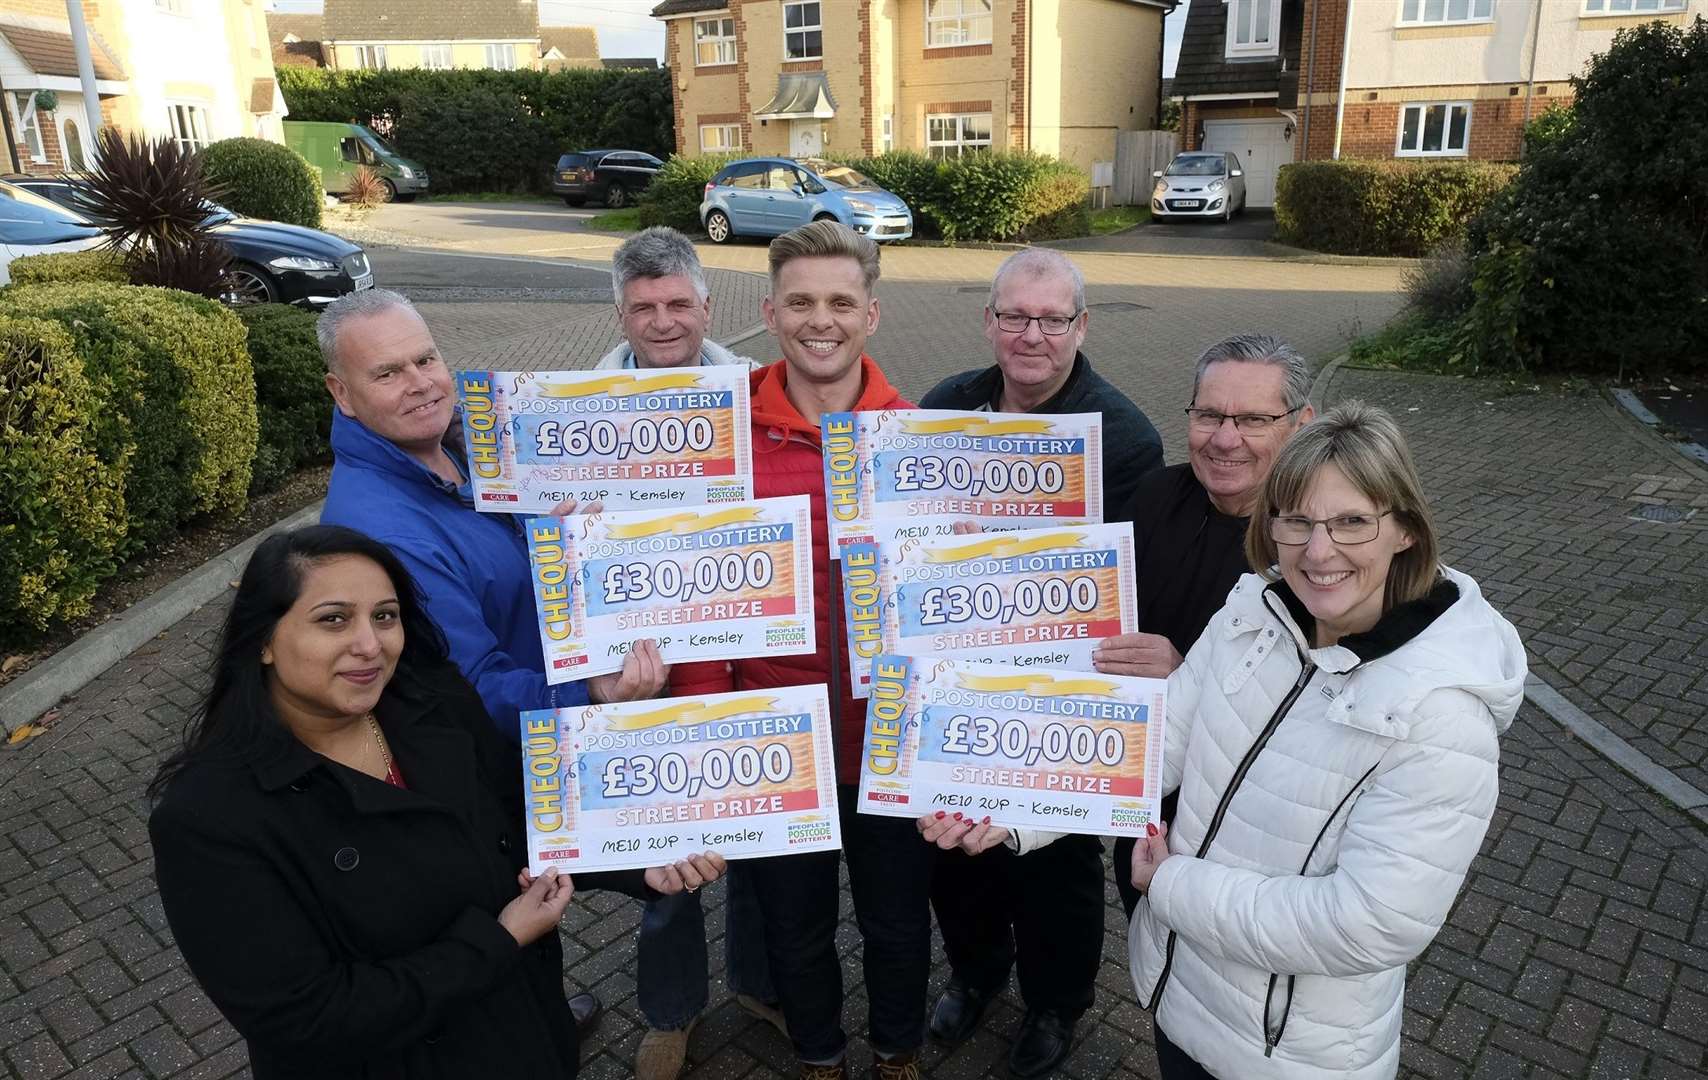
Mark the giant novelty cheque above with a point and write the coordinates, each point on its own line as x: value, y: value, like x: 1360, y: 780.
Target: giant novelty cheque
x: 708, y: 583
x: 1055, y: 750
x: 911, y: 474
x: 644, y: 783
x: 1039, y: 598
x: 678, y: 437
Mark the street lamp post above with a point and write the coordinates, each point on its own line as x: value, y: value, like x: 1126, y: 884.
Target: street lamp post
x: 85, y: 74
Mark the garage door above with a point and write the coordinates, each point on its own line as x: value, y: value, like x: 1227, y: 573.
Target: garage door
x: 1261, y: 144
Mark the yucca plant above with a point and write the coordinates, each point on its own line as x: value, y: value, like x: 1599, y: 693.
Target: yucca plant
x: 367, y: 190
x: 150, y: 200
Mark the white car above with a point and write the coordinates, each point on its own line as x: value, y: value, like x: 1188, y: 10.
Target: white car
x: 31, y: 225
x: 1199, y: 184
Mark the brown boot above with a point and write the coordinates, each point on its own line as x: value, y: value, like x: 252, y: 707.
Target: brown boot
x: 662, y: 1054
x: 900, y: 1067
x: 838, y: 1071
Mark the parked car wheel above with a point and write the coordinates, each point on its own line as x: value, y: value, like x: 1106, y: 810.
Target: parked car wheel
x: 570, y: 200
x: 390, y: 190
x: 1228, y: 212
x: 249, y: 284
x: 824, y: 217
x: 717, y: 227
x: 616, y: 197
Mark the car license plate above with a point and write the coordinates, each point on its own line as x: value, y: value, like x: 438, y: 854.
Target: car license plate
x: 366, y: 281
x: 1189, y: 204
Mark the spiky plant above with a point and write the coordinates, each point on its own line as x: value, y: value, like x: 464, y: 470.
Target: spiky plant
x: 367, y: 190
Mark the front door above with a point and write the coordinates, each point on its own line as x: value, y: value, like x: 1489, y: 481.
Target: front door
x: 806, y: 138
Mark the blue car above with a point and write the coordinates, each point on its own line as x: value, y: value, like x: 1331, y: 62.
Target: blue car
x: 770, y: 196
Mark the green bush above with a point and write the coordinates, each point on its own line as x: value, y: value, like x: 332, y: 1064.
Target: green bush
x: 910, y: 175
x: 61, y: 500
x: 291, y: 404
x: 96, y: 265
x: 674, y: 196
x: 265, y: 180
x: 1381, y: 207
x: 180, y: 396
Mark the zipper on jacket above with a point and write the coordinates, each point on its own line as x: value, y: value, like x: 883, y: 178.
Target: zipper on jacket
x: 1245, y: 764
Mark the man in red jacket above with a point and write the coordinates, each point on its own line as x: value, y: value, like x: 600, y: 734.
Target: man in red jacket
x: 821, y: 310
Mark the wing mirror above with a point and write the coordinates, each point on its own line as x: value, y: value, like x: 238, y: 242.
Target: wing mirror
x: 1157, y: 175
x: 1236, y: 172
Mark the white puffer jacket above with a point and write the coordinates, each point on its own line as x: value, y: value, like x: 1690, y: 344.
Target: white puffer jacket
x: 1346, y: 798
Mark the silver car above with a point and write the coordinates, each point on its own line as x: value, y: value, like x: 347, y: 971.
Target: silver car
x: 1199, y: 184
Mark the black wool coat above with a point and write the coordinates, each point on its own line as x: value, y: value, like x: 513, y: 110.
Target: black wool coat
x: 348, y: 928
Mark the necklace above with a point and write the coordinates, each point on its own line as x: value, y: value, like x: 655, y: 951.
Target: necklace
x: 379, y: 741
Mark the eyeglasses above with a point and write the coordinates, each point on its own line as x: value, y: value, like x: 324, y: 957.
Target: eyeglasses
x: 1345, y: 529
x: 1251, y: 423
x: 1054, y: 325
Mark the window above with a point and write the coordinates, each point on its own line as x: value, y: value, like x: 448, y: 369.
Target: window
x: 71, y: 138
x: 29, y: 125
x: 957, y: 22
x: 1630, y: 7
x: 173, y: 7
x: 1434, y: 12
x: 751, y: 177
x: 501, y: 57
x: 952, y: 136
x: 781, y: 178
x: 803, y: 37
x: 189, y: 126
x: 356, y: 151
x: 436, y: 57
x: 1254, y: 27
x: 370, y: 57
x: 719, y: 138
x: 1434, y: 130
x: 714, y: 41
x: 889, y: 132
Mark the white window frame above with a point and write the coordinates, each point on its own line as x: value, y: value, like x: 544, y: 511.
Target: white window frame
x: 508, y: 55
x: 1271, y: 47
x: 960, y: 144
x: 723, y: 44
x: 728, y: 143
x: 962, y: 19
x: 370, y: 58
x: 434, y: 51
x: 188, y: 122
x: 1601, y: 9
x: 29, y: 125
x: 173, y: 7
x: 889, y: 132
x: 1416, y: 12
x: 1423, y: 107
x: 804, y: 29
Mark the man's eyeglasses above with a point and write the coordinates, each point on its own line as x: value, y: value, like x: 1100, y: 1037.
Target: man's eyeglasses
x: 1251, y: 423
x: 1345, y: 529
x: 1054, y: 325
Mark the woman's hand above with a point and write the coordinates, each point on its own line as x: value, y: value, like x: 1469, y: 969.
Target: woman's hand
x: 686, y: 875
x: 965, y: 527
x: 642, y: 677
x: 1148, y: 855
x: 537, y: 911
x: 1150, y: 656
x: 568, y: 507
x: 959, y: 831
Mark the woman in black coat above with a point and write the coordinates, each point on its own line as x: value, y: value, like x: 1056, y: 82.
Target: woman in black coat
x: 340, y: 844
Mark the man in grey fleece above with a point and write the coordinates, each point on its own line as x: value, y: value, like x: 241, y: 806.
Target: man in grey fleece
x: 663, y: 304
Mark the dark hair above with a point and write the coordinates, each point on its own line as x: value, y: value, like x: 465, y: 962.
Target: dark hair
x: 236, y: 720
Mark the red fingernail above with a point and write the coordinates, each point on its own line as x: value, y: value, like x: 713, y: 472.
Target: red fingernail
x: 939, y: 815
x: 957, y: 815
x: 1150, y: 830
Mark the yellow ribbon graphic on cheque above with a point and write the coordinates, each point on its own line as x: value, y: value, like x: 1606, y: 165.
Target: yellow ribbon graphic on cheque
x: 692, y: 712
x: 1006, y: 546
x: 977, y: 425
x: 1036, y: 685
x: 621, y: 385
x: 684, y: 523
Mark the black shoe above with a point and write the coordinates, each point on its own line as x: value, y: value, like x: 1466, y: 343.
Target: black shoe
x: 1044, y: 1040
x: 956, y: 1014
x: 587, y: 1011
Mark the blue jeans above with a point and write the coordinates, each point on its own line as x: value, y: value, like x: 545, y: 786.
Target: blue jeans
x: 673, y: 966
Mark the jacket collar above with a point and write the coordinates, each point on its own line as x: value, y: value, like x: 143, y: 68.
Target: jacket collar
x: 356, y: 444
x: 985, y: 387
x: 1396, y: 626
x: 772, y: 407
x: 622, y: 357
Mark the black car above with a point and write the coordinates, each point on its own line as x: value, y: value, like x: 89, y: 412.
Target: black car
x: 273, y: 262
x: 614, y: 177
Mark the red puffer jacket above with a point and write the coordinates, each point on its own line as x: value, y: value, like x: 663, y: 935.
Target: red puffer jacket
x: 787, y: 460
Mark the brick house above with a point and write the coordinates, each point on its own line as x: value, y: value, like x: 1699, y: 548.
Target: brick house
x: 433, y: 34
x: 564, y: 47
x: 295, y: 39
x: 1422, y: 78
x: 804, y: 77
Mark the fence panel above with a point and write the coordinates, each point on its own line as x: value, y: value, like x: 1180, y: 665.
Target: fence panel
x: 1137, y: 155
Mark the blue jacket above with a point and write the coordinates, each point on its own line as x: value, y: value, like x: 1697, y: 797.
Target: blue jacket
x: 471, y: 568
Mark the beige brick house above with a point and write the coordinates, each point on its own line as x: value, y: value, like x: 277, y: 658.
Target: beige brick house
x: 434, y: 34
x: 944, y: 77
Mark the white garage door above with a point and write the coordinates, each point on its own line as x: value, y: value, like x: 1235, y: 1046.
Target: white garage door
x: 1261, y: 144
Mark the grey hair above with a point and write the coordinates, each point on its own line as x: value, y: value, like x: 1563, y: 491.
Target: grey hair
x: 1037, y: 263
x: 1261, y: 349
x: 354, y: 305
x: 657, y: 252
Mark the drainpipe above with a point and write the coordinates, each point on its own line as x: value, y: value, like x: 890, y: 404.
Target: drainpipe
x: 86, y: 75
x: 1031, y: 77
x: 1340, y: 99
x: 1310, y: 69
x: 1530, y: 78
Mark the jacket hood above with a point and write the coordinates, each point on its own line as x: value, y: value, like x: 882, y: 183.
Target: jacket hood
x: 355, y: 443
x: 711, y: 355
x: 772, y: 407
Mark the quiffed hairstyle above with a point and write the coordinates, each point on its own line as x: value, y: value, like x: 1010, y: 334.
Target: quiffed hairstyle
x: 1365, y: 444
x: 1035, y: 263
x: 657, y: 252
x: 354, y: 305
x: 1260, y: 349
x: 236, y: 721
x: 825, y: 238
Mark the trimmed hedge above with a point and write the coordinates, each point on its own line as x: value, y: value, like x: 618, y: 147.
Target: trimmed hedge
x: 262, y: 179
x: 291, y: 405
x: 1382, y: 207
x: 96, y: 265
x: 62, y: 516
x: 673, y: 198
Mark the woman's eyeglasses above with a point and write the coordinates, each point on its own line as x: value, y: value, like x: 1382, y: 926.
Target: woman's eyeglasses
x: 1345, y: 529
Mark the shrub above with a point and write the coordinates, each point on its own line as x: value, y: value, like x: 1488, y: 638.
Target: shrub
x: 1551, y: 126
x: 59, y: 266
x: 1414, y: 342
x: 916, y: 178
x: 1381, y: 207
x: 180, y: 395
x: 61, y: 500
x: 1060, y: 205
x: 674, y: 196
x: 1439, y: 287
x: 291, y: 405
x: 265, y: 180
x: 366, y: 189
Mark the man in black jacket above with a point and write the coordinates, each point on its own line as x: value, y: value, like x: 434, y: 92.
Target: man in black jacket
x: 1035, y: 322
x: 1040, y: 910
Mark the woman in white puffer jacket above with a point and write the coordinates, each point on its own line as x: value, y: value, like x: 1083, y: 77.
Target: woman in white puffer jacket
x: 1334, y: 736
